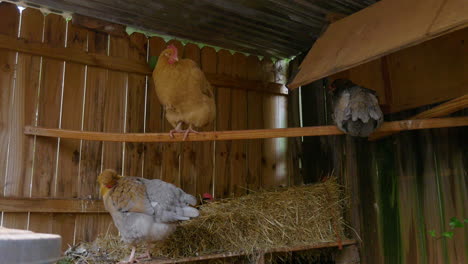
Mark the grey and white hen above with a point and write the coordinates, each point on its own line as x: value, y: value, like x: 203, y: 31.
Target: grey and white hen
x: 144, y: 210
x: 356, y: 110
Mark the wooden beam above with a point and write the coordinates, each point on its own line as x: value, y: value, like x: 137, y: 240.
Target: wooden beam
x: 444, y: 109
x: 240, y: 134
x: 238, y: 254
x: 99, y: 25
x: 125, y: 65
x: 51, y: 205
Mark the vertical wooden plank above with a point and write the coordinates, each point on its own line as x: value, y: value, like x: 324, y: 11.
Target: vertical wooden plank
x: 449, y: 169
x: 93, y: 116
x: 269, y: 146
x: 223, y: 122
x: 72, y: 109
x: 432, y: 206
x: 25, y: 103
x: 114, y: 106
x: 205, y: 150
x: 64, y: 225
x: 135, y: 107
x: 86, y: 225
x: 238, y: 156
x: 8, y: 26
x: 89, y: 226
x: 15, y: 220
x: 50, y: 96
x: 255, y: 157
x: 171, y: 151
x: 188, y: 172
x: 154, y: 118
x: 410, y: 191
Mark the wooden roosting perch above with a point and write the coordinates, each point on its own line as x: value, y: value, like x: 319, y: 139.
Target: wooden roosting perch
x: 394, y: 126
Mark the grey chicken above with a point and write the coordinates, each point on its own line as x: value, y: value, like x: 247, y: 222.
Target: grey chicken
x: 356, y: 110
x: 144, y: 210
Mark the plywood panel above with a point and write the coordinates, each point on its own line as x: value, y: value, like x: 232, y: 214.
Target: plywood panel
x: 171, y: 151
x: 188, y: 172
x: 135, y: 107
x: 50, y: 95
x: 114, y: 106
x: 8, y: 26
x: 383, y: 28
x: 238, y: 155
x: 223, y: 122
x: 205, y: 150
x: 154, y: 118
x: 431, y: 72
x: 72, y: 110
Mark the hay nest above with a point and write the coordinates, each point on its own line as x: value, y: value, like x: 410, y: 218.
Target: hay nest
x: 285, y: 217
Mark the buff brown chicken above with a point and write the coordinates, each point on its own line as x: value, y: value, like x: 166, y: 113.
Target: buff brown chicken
x: 144, y: 210
x: 184, y: 91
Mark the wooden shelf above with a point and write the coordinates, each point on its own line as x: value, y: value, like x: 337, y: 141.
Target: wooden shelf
x: 239, y: 254
x: 393, y: 126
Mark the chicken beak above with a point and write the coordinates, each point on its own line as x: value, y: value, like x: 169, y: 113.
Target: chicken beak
x: 176, y: 59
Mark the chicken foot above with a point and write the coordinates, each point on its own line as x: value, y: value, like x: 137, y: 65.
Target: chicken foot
x: 131, y: 258
x: 188, y: 130
x: 178, y: 129
x: 146, y: 255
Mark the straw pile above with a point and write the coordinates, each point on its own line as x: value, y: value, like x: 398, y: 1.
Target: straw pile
x: 286, y: 217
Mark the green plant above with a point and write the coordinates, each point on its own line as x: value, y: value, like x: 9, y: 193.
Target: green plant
x: 454, y: 223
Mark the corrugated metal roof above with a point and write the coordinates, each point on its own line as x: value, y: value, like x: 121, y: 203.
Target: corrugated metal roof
x: 278, y: 28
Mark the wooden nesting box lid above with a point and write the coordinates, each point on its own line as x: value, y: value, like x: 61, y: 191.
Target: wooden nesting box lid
x: 381, y: 29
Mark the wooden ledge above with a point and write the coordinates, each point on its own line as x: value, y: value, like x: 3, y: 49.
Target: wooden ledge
x: 393, y: 126
x: 238, y: 254
x: 51, y: 205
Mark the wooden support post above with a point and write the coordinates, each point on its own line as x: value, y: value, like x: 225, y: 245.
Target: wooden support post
x: 394, y: 126
x: 444, y: 109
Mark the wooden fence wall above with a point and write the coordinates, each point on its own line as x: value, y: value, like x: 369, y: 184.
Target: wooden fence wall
x: 44, y: 91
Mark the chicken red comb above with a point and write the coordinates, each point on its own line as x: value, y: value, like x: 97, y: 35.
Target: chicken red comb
x: 171, y: 46
x: 207, y: 196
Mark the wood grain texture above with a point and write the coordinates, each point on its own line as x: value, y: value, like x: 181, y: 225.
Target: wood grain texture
x: 188, y: 163
x: 114, y: 106
x: 444, y: 109
x: 377, y: 35
x: 124, y: 65
x: 50, y: 96
x: 135, y: 122
x: 255, y: 157
x: 93, y: 118
x: 244, y: 134
x: 223, y: 122
x: 170, y: 171
x: 154, y: 118
x: 51, y: 205
x: 8, y: 26
x: 239, y: 121
x: 205, y: 150
x: 24, y: 106
x: 430, y: 82
x: 72, y: 109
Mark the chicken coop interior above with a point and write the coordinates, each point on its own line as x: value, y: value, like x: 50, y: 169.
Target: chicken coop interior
x: 78, y: 96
